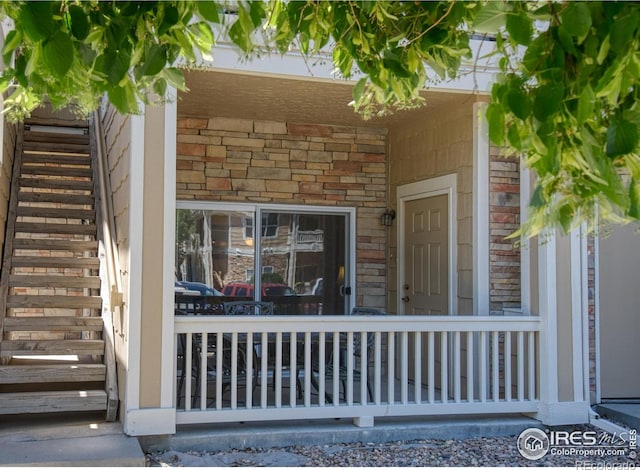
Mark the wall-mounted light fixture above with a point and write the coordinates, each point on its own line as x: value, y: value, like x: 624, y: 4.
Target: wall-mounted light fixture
x: 386, y: 219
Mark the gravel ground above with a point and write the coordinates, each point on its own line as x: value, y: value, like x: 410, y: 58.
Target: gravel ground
x: 479, y: 452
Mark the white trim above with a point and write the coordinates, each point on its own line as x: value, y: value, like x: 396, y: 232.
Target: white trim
x: 136, y: 211
x: 525, y: 250
x: 446, y: 184
x: 167, y: 382
x: 150, y: 421
x: 481, y: 276
x: 578, y: 287
x: 567, y: 412
x: 547, y: 301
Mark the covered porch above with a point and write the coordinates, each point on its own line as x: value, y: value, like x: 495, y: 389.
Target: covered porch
x: 275, y: 172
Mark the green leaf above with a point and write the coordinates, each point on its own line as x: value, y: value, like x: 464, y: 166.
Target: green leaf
x: 123, y: 98
x: 576, y: 19
x: 495, y: 118
x: 519, y: 103
x: 58, y: 53
x: 11, y: 42
x: 79, y: 22
x: 490, y: 18
x: 175, y: 78
x: 586, y: 104
x: 155, y: 60
x: 115, y: 65
x: 547, y: 100
x: 622, y: 138
x: 170, y: 19
x: 209, y: 11
x: 622, y: 31
x: 358, y: 89
x: 393, y: 63
x: 36, y: 19
x: 520, y: 28
x: 160, y: 87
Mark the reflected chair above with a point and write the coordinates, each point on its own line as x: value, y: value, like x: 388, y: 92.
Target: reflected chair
x: 248, y: 307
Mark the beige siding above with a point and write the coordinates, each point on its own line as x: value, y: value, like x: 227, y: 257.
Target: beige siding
x: 152, y: 259
x: 439, y: 145
x: 619, y: 311
x: 8, y: 147
x: 223, y: 159
x: 564, y: 314
x: 117, y: 136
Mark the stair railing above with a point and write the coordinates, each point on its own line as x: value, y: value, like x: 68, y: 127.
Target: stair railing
x: 110, y: 273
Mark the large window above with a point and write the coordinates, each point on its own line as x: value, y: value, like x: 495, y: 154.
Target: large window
x: 303, y: 255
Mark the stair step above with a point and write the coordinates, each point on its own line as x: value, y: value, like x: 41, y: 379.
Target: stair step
x: 55, y: 212
x: 90, y: 282
x: 53, y: 324
x: 57, y: 198
x: 77, y: 229
x: 56, y: 122
x: 55, y: 245
x: 55, y: 137
x: 26, y: 374
x: 53, y: 301
x: 57, y: 171
x: 45, y: 402
x: 54, y: 262
x: 49, y: 183
x: 55, y: 148
x: 59, y: 159
x: 80, y: 347
x: 49, y: 244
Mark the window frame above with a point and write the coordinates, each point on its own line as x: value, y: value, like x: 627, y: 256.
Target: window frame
x: 258, y: 208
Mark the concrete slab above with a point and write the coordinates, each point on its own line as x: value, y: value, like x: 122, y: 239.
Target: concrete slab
x: 624, y: 413
x: 211, y: 438
x: 83, y: 440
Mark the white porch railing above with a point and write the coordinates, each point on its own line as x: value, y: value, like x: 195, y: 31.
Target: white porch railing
x: 353, y: 366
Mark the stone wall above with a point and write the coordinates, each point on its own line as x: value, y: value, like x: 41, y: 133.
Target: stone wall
x: 504, y: 219
x: 239, y: 160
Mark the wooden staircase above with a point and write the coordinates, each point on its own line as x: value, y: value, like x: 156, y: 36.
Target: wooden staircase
x: 51, y: 329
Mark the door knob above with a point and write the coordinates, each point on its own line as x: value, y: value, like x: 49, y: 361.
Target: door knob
x: 405, y: 298
x: 406, y: 287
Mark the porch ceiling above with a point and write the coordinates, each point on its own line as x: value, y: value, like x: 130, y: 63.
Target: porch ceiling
x: 269, y: 97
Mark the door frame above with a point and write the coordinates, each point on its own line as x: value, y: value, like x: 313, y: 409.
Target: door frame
x: 446, y: 184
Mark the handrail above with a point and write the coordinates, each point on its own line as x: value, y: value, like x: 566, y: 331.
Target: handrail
x: 110, y: 274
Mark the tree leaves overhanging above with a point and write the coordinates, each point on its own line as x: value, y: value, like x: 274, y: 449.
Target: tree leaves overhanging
x: 566, y: 96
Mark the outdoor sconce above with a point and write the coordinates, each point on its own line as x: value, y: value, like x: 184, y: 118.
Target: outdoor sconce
x: 386, y: 219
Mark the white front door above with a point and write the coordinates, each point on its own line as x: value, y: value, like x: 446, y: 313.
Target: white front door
x: 425, y: 290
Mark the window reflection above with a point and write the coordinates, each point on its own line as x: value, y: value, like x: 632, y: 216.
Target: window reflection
x: 301, y: 261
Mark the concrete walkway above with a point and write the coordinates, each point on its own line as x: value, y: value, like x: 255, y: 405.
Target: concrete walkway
x: 83, y: 440
x: 625, y: 413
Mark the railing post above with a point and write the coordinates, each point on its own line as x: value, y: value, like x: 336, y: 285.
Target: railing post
x: 560, y: 276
